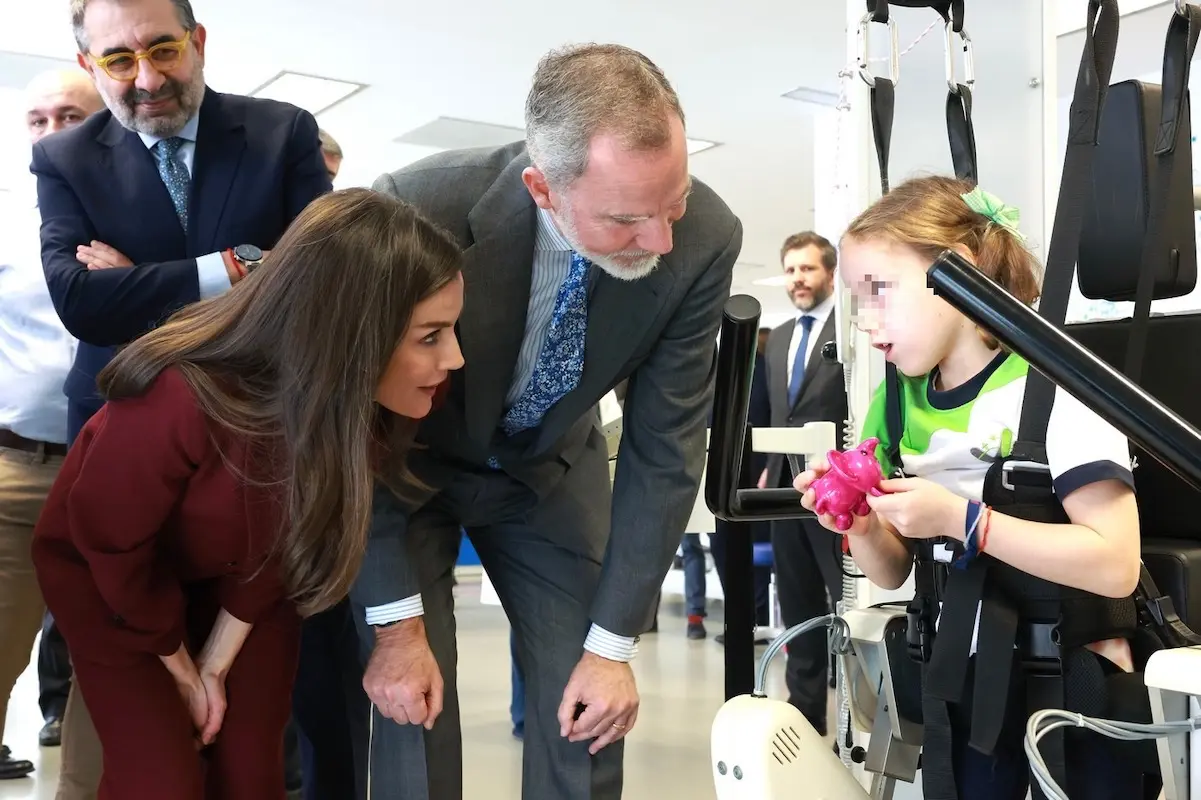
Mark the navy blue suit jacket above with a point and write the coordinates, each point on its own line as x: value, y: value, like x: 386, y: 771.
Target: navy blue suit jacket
x: 257, y: 165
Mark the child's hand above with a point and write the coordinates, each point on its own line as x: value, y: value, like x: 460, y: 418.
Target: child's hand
x: 803, y: 483
x: 920, y: 509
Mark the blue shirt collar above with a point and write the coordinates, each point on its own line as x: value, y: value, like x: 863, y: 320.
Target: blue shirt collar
x: 188, y: 132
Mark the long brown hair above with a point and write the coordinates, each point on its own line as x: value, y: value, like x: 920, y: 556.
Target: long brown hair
x: 929, y: 215
x: 290, y: 361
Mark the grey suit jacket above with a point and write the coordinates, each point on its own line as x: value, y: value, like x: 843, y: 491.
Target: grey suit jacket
x: 658, y: 332
x: 823, y: 394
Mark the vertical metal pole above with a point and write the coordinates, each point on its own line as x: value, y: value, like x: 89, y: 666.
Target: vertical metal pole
x: 740, y: 593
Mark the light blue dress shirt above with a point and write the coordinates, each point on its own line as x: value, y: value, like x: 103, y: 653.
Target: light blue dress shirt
x: 36, y: 352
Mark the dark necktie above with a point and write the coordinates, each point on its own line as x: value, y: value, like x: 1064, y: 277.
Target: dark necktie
x: 561, y: 361
x: 798, y: 363
x: 175, y: 176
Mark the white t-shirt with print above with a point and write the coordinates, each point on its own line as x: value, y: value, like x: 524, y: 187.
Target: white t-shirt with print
x: 953, y: 437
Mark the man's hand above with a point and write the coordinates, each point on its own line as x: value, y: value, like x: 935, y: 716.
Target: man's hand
x: 609, y: 695
x: 402, y: 678
x: 99, y: 255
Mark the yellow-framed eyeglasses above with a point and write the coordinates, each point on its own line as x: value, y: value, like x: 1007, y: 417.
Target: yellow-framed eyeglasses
x: 164, y: 57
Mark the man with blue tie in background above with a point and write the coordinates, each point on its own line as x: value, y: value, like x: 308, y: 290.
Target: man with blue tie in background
x: 591, y: 257
x: 804, y: 387
x: 169, y: 196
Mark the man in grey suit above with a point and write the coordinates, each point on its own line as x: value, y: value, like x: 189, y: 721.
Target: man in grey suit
x: 804, y: 387
x: 591, y: 257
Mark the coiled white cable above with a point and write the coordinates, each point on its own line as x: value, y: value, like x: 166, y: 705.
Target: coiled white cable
x: 1043, y: 722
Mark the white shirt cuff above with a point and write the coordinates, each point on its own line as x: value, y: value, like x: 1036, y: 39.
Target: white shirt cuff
x: 394, y: 612
x: 213, y: 277
x: 610, y: 645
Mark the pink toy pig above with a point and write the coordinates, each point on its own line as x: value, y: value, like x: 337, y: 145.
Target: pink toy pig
x: 843, y: 490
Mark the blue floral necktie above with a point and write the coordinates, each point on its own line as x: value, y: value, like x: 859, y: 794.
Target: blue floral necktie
x: 175, y: 175
x: 561, y: 361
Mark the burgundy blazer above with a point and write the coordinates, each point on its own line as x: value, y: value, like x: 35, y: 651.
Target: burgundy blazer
x: 146, y: 514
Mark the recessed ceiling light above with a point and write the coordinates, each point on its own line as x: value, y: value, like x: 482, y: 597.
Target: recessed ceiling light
x: 451, y: 133
x: 774, y: 280
x: 699, y: 145
x: 815, y: 97
x: 310, y: 92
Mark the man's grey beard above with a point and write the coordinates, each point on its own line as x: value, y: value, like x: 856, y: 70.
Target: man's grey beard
x: 643, y: 263
x: 189, y: 96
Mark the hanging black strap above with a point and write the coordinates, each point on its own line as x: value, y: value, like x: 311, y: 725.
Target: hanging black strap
x: 1179, y: 45
x: 961, y: 133
x: 883, y: 107
x: 894, y: 417
x: 1084, y: 120
x: 950, y: 10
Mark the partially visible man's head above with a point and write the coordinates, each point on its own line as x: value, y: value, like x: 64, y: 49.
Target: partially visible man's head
x: 809, y: 261
x: 146, y: 58
x: 331, y: 151
x: 58, y: 100
x: 605, y: 133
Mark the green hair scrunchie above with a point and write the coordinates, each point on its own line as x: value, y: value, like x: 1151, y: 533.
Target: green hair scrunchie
x: 991, y: 206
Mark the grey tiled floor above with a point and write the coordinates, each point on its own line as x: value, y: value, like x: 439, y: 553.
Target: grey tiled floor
x: 680, y: 682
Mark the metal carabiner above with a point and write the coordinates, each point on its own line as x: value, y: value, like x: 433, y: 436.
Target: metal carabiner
x: 969, y: 61
x: 894, y: 52
x: 1181, y: 5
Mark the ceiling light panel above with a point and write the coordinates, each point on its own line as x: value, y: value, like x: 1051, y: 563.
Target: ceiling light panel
x: 813, y: 97
x: 774, y: 280
x: 310, y: 92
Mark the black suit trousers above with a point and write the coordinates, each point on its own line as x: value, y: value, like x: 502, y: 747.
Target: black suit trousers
x: 809, y: 583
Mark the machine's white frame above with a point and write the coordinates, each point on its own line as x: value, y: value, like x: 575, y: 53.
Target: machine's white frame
x: 1173, y: 679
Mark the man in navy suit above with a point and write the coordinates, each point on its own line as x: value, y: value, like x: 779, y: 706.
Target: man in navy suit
x: 170, y: 196
x: 142, y: 204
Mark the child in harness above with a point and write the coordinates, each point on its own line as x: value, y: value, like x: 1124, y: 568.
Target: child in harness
x: 960, y: 398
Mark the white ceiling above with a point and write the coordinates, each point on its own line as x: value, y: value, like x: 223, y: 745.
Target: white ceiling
x: 472, y: 60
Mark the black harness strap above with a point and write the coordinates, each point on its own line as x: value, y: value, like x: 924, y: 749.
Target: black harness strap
x: 894, y: 418
x: 1179, y: 45
x: 950, y: 10
x: 883, y: 104
x: 961, y: 133
x: 1084, y: 120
